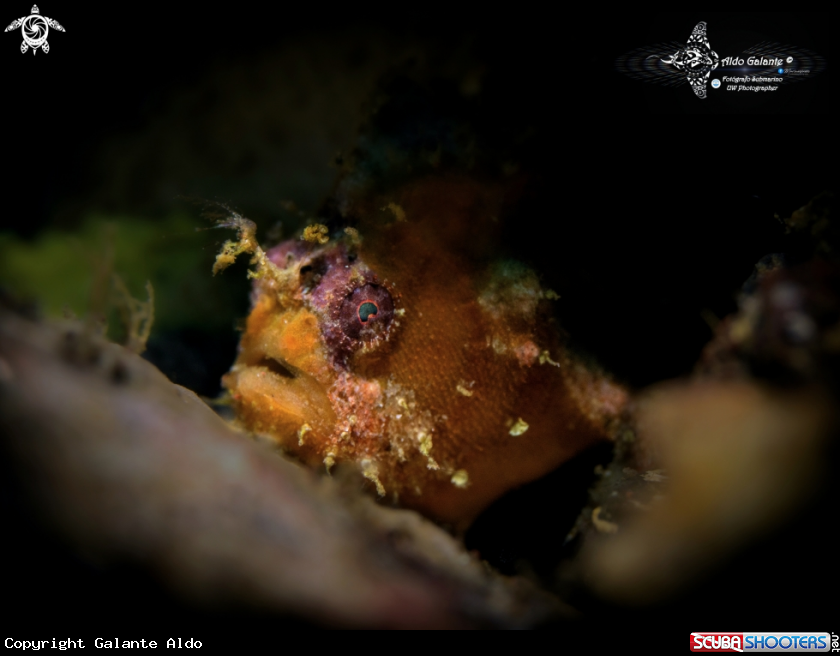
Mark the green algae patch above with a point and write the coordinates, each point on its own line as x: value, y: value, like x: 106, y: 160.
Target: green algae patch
x: 71, y: 272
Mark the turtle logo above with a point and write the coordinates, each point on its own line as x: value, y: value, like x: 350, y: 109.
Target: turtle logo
x: 35, y: 29
x: 697, y: 60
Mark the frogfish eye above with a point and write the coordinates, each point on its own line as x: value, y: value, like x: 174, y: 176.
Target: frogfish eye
x: 367, y: 312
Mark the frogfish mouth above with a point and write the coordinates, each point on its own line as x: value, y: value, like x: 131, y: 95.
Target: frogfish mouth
x: 402, y: 348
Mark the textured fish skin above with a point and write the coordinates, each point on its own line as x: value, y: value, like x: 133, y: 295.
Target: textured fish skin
x: 457, y: 388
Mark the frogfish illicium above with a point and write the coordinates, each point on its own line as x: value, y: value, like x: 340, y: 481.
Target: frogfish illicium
x: 402, y: 347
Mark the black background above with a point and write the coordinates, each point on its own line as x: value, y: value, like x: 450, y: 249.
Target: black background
x: 110, y: 72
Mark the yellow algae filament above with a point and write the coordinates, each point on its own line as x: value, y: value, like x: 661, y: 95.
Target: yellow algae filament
x: 370, y: 472
x: 519, y: 427
x: 460, y: 478
x: 303, y: 431
x: 316, y: 233
x: 426, y: 448
x: 227, y: 256
x: 545, y: 357
x: 137, y: 315
x: 329, y: 461
x: 247, y: 242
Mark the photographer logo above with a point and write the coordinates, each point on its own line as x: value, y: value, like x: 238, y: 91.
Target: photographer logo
x: 34, y: 28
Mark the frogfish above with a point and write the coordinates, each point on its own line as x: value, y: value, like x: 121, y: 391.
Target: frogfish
x: 403, y: 346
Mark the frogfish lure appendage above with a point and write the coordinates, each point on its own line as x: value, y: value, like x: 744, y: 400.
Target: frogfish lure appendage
x: 442, y: 377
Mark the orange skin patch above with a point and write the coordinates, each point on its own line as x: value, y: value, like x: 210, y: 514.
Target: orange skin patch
x: 456, y: 390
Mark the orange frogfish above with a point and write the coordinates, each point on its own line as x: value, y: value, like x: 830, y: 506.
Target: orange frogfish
x: 402, y: 347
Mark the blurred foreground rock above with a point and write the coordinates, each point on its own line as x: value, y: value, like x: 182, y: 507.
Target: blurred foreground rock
x: 132, y: 467
x: 729, y: 461
x: 724, y: 463
x: 720, y: 482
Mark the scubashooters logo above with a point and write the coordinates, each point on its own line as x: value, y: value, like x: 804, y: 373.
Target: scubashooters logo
x: 697, y: 59
x: 765, y: 66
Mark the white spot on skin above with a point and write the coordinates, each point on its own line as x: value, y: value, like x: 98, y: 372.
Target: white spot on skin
x: 464, y: 387
x: 519, y: 427
x: 460, y: 479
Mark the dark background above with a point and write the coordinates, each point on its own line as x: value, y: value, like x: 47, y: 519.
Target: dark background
x: 656, y: 211
x: 111, y: 73
x: 634, y: 193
